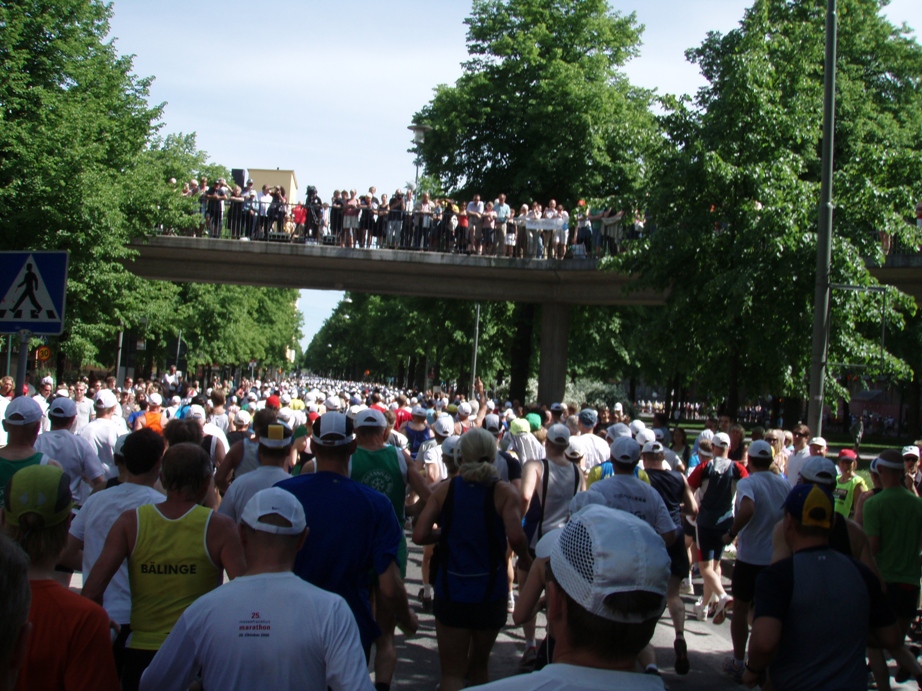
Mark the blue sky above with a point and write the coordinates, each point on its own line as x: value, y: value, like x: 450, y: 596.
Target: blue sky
x: 328, y: 89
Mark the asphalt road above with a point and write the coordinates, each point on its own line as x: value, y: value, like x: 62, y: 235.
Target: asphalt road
x: 418, y: 665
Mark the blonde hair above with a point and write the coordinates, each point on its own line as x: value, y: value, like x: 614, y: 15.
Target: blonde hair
x: 478, y: 450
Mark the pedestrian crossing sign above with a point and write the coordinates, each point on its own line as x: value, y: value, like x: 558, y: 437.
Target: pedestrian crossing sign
x: 33, y: 286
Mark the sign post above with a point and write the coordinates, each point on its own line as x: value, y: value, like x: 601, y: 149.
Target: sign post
x: 33, y: 286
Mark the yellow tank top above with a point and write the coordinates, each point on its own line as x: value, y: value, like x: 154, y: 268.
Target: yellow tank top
x: 168, y: 570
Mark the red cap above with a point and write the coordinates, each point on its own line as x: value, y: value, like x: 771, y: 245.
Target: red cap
x: 847, y: 453
x: 273, y: 402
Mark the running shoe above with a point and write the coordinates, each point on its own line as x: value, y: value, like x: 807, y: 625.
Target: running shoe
x: 734, y: 670
x: 427, y: 601
x: 529, y: 658
x: 510, y: 605
x: 700, y: 611
x: 724, y: 606
x: 681, y: 656
x: 687, y: 588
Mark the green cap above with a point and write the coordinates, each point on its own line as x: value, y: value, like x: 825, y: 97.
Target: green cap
x: 41, y: 489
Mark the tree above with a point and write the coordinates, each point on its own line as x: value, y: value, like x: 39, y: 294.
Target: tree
x: 542, y: 111
x: 73, y: 121
x: 737, y: 186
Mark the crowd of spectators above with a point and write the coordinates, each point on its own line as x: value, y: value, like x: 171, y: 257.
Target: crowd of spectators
x: 402, y: 221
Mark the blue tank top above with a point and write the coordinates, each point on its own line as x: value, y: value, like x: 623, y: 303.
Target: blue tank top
x: 415, y: 438
x: 471, y: 552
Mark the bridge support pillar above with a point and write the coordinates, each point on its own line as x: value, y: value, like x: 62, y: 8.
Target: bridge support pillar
x: 552, y: 358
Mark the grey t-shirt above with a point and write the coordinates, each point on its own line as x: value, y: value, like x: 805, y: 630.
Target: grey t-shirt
x: 768, y: 492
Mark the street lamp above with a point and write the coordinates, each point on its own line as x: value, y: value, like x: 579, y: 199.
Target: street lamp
x: 419, y: 136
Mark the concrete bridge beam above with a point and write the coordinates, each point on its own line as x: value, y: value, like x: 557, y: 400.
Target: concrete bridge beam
x: 552, y: 357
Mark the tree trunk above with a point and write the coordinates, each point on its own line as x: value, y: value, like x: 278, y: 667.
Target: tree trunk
x: 733, y: 392
x: 521, y: 351
x: 915, y: 394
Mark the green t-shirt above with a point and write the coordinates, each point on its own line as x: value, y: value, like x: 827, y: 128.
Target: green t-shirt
x: 383, y: 470
x: 895, y: 516
x: 846, y: 493
x: 10, y: 468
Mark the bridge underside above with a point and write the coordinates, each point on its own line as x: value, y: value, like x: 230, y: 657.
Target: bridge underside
x: 555, y: 284
x: 385, y: 272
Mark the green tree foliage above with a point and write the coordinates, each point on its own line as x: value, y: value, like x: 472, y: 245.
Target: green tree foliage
x: 737, y: 187
x: 73, y: 122
x: 82, y: 169
x: 382, y: 334
x: 225, y: 324
x: 542, y: 109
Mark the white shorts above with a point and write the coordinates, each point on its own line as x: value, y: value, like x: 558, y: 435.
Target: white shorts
x: 560, y: 235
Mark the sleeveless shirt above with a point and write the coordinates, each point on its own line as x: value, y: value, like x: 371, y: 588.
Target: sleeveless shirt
x: 169, y: 569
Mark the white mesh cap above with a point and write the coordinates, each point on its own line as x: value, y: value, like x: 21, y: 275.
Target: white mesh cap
x: 602, y: 551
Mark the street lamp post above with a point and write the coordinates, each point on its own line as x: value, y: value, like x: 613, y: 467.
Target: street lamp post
x: 419, y: 136
x: 824, y: 234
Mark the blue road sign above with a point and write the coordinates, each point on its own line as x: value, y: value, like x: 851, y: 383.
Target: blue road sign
x: 33, y: 286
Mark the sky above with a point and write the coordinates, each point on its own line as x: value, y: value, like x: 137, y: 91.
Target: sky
x: 328, y: 89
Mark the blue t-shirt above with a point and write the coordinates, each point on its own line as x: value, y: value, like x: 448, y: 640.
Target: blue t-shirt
x: 353, y: 529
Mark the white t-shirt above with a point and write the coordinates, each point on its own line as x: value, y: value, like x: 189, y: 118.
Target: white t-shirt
x: 796, y: 461
x: 91, y: 525
x: 85, y: 413
x: 268, y: 631
x: 4, y: 402
x: 768, y: 492
x: 595, y: 450
x: 433, y: 456
x: 77, y: 457
x: 248, y: 484
x: 562, y: 677
x: 217, y: 433
x: 635, y: 496
x: 102, y: 433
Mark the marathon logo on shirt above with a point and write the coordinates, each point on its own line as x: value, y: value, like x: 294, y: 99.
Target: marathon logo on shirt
x: 154, y: 568
x: 254, y: 627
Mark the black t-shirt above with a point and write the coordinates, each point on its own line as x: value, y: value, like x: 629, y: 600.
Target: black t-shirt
x: 234, y: 437
x: 671, y: 487
x: 775, y: 590
x: 514, y: 466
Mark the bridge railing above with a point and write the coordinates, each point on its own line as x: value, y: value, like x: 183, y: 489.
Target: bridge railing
x: 412, y: 230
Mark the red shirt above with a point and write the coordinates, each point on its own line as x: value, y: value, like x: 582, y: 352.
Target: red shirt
x: 70, y: 647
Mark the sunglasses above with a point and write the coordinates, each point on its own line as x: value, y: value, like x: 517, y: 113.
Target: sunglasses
x: 799, y: 434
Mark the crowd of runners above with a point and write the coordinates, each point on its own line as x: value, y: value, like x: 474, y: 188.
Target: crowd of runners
x: 256, y: 536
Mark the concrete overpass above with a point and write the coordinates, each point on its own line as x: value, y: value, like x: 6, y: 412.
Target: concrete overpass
x: 556, y: 285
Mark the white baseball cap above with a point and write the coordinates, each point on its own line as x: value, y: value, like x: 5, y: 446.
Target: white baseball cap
x: 104, y: 398
x: 558, y: 434
x: 332, y: 429
x: 625, y: 450
x: 619, y: 429
x: 444, y: 426
x: 274, y: 500
x: 370, y: 417
x: 644, y: 436
x: 23, y: 410
x: 602, y: 551
x: 721, y: 439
